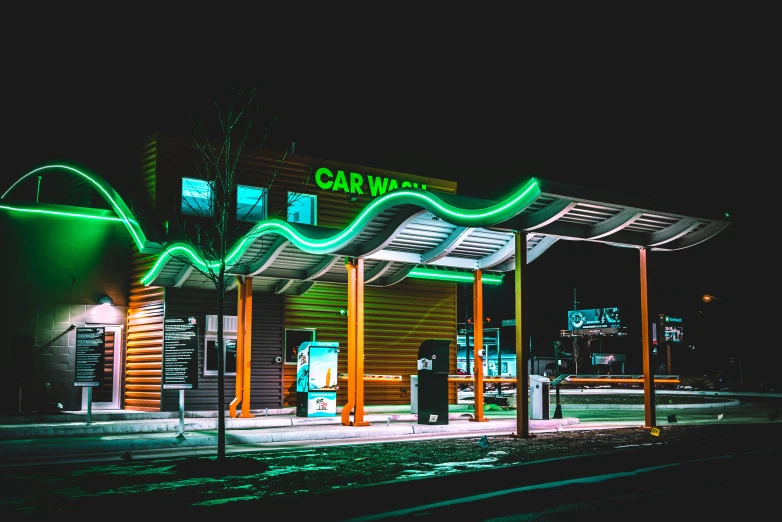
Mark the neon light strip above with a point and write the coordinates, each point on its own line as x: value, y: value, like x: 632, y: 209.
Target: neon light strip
x: 447, y: 275
x: 604, y: 381
x: 58, y: 213
x: 497, y: 213
x: 108, y: 194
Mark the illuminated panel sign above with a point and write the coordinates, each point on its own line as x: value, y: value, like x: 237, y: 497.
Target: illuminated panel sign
x: 669, y: 328
x: 355, y: 183
x: 593, y: 318
x: 674, y: 333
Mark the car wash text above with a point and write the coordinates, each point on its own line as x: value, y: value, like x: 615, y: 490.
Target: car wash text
x: 353, y: 183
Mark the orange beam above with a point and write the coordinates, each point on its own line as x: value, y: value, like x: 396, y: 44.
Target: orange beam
x: 246, y: 324
x: 649, y: 412
x: 351, y: 343
x: 239, y: 350
x: 604, y: 381
x: 477, y: 313
x: 375, y: 377
x: 485, y: 379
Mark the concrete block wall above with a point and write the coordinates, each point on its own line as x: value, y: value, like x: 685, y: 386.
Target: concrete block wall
x: 57, y: 268
x: 54, y: 354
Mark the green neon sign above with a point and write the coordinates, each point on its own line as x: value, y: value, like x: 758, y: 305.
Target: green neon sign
x: 354, y: 183
x: 487, y: 216
x: 449, y: 275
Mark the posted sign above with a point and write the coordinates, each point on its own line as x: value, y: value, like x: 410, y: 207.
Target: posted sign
x: 180, y: 353
x: 90, y: 356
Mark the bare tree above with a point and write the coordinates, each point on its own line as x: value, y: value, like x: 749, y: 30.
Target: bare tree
x: 208, y: 199
x: 575, y: 352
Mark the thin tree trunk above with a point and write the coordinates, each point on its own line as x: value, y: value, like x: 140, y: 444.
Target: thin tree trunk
x: 220, y: 365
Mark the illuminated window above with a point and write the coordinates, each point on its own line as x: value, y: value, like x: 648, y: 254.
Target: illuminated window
x: 302, y: 208
x: 197, y: 197
x: 250, y: 203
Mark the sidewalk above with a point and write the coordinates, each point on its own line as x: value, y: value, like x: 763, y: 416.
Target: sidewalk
x: 113, y: 433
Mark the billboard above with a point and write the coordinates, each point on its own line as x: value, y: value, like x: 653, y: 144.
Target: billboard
x: 593, y: 318
x: 671, y: 329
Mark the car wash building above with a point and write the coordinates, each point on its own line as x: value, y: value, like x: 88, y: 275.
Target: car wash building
x: 321, y: 251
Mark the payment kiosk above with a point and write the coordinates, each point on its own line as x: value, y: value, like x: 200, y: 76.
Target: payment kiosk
x: 316, y: 379
x: 433, y: 369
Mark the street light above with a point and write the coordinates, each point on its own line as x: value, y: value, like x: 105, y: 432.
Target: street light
x: 707, y: 298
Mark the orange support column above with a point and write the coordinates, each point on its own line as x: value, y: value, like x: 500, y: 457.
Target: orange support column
x: 477, y: 313
x: 649, y: 409
x: 358, y: 417
x: 239, y: 350
x: 243, y: 366
x: 351, y: 343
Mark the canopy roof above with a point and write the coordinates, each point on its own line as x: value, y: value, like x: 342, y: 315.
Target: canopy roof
x: 408, y: 229
x: 404, y: 232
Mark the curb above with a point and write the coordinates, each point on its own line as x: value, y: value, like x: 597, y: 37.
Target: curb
x: 80, y: 445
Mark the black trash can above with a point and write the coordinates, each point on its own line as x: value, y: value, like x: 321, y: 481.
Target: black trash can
x: 433, y: 366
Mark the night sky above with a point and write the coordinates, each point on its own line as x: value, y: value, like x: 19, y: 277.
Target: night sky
x: 682, y: 118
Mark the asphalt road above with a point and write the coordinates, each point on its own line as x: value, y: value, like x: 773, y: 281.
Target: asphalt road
x: 677, y: 482
x: 717, y: 479
x: 670, y: 487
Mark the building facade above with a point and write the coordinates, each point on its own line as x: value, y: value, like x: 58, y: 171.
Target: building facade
x: 67, y: 263
x: 317, y: 250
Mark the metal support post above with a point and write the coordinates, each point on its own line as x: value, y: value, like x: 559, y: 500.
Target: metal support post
x: 181, y: 412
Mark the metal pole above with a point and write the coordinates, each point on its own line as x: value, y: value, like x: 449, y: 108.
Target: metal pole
x: 89, y: 405
x: 522, y: 351
x: 558, y: 409
x: 650, y: 414
x: 499, y: 364
x: 181, y: 412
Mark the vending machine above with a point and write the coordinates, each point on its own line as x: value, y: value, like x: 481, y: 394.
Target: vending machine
x: 316, y: 379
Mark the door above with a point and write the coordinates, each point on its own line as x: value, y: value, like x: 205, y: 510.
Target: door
x: 107, y: 395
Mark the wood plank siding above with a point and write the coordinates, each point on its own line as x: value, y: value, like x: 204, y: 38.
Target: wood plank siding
x: 397, y: 319
x: 265, y: 373
x: 144, y: 346
x: 144, y: 349
x: 176, y: 158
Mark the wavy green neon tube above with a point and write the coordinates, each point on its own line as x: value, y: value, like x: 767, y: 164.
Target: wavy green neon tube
x: 462, y: 217
x: 105, y: 190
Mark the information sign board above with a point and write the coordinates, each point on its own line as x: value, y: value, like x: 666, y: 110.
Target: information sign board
x: 90, y: 356
x: 180, y: 353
